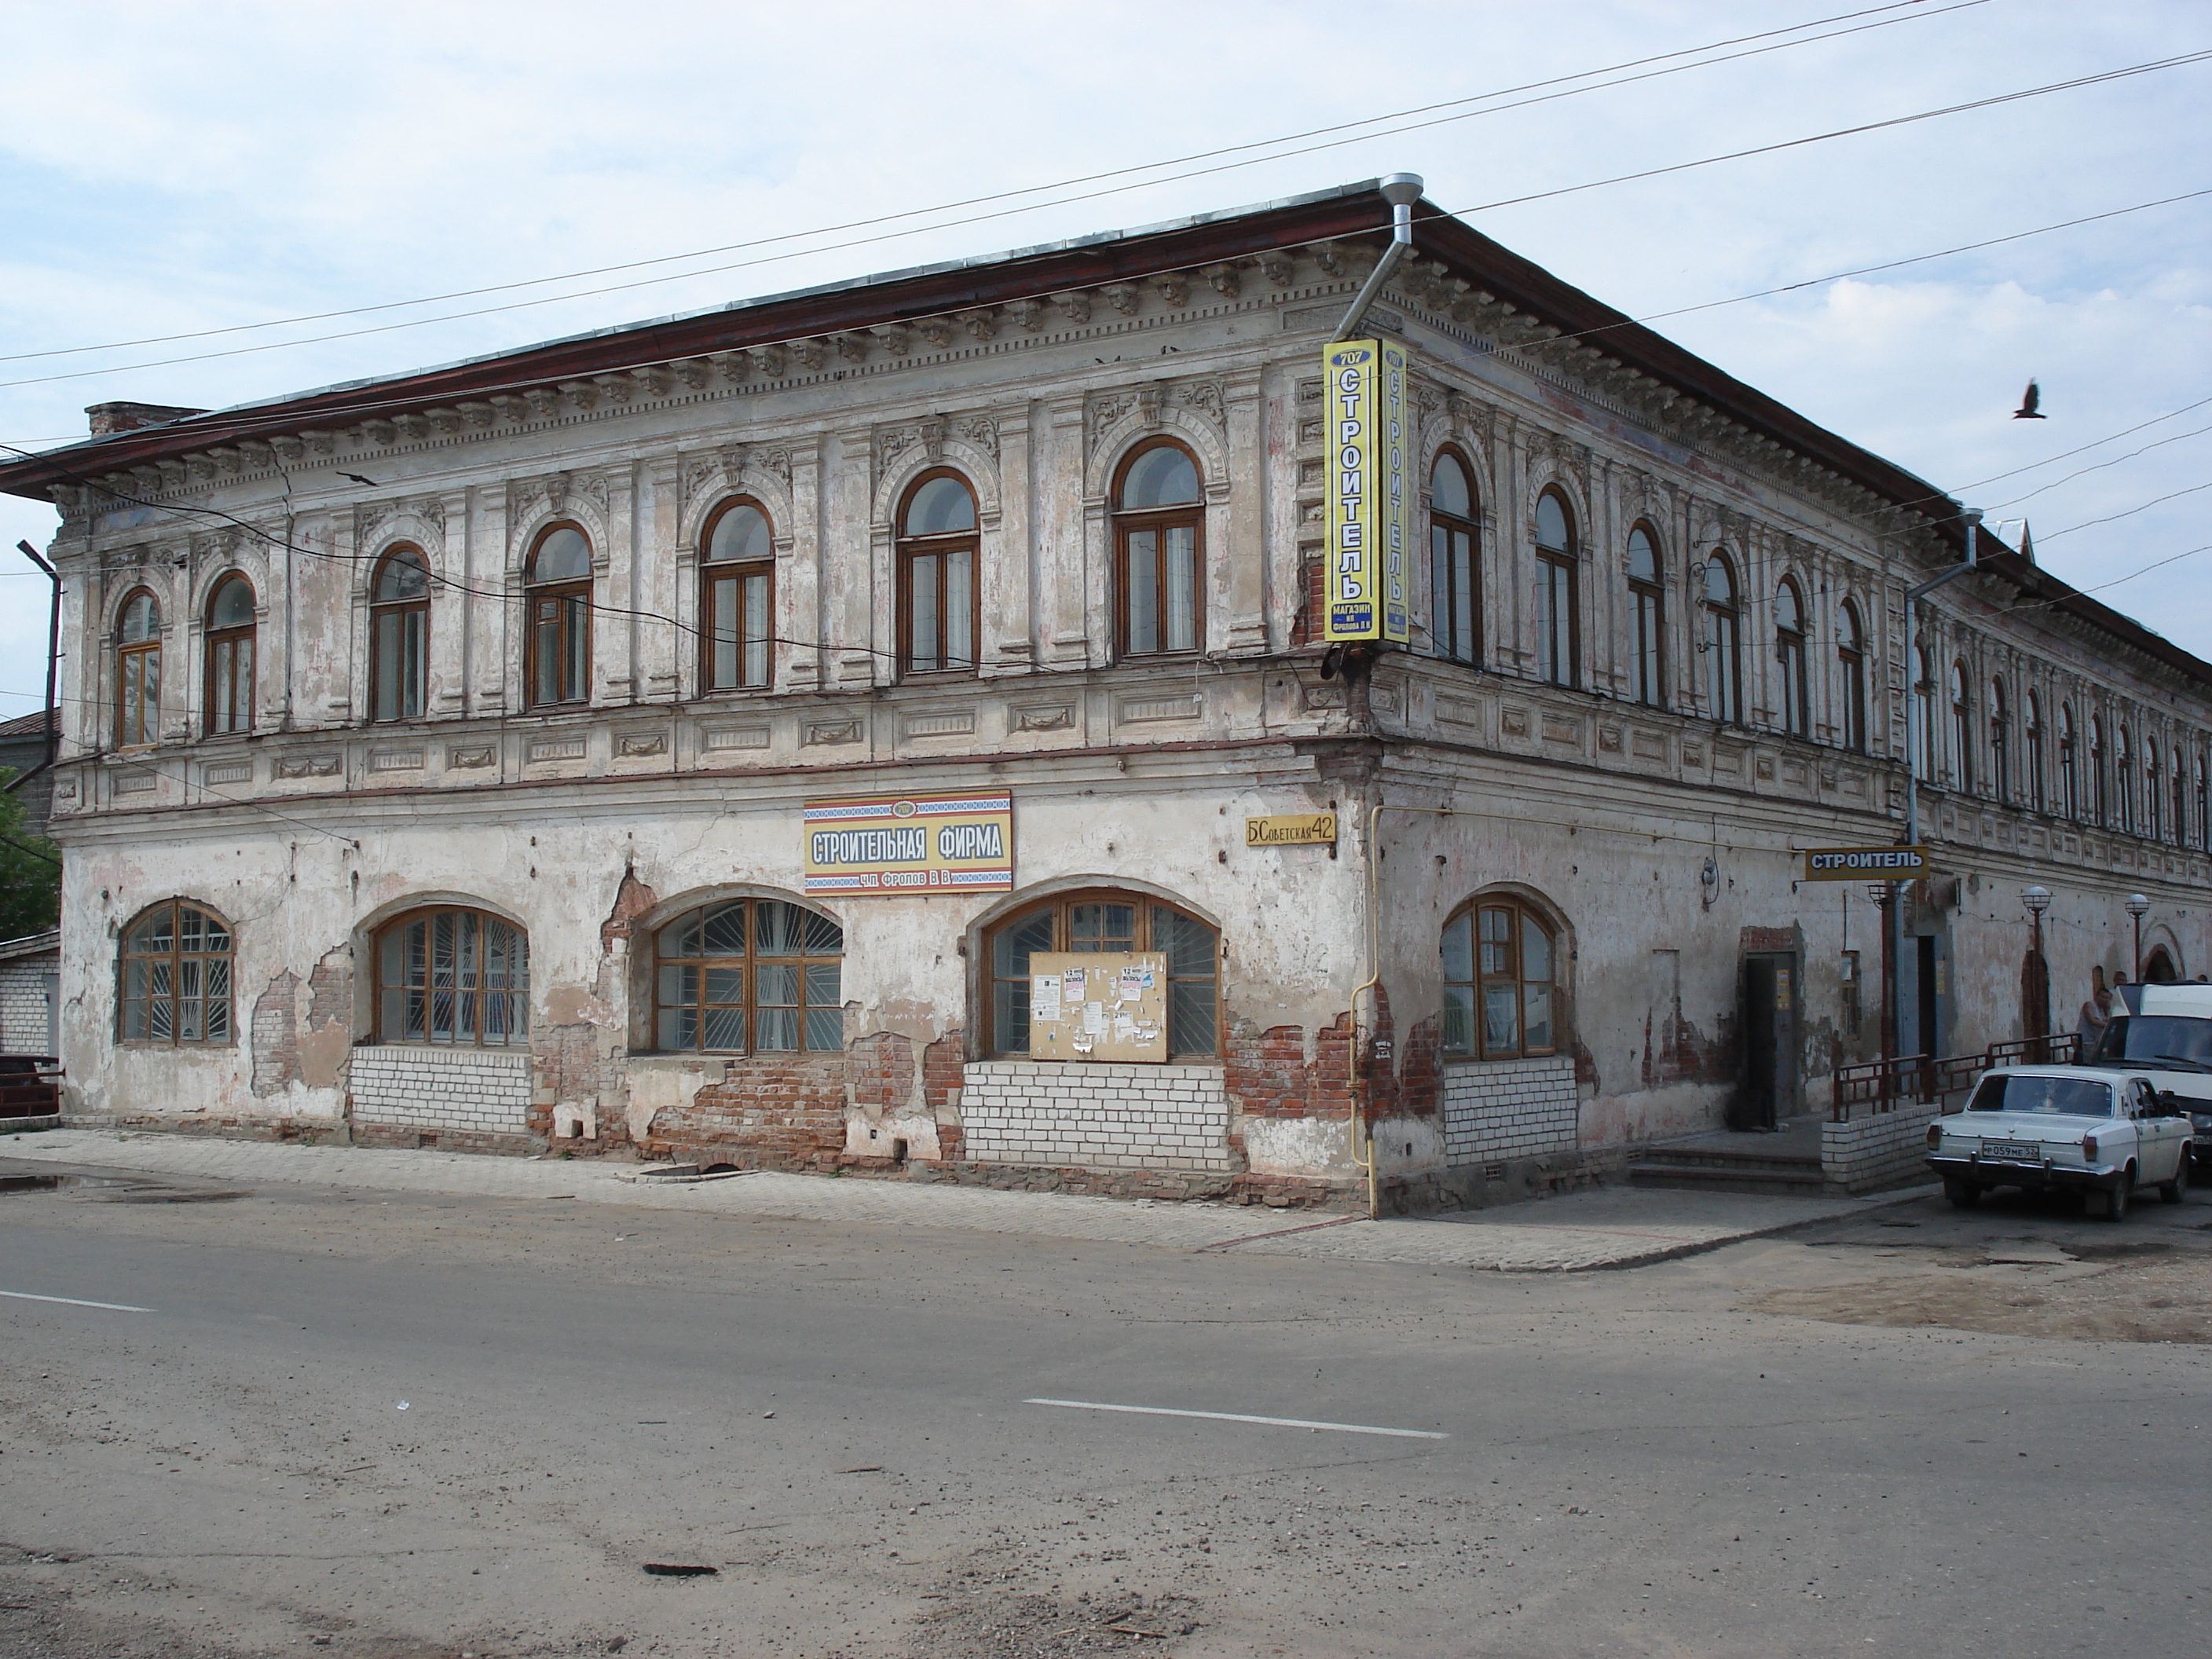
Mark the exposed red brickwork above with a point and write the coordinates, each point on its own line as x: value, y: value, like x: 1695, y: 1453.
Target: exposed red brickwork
x: 1420, y: 1080
x: 773, y: 1112
x: 941, y: 1080
x: 1304, y: 629
x: 882, y: 1074
x: 1267, y: 1074
x: 565, y: 1065
x: 1770, y: 938
x: 632, y: 900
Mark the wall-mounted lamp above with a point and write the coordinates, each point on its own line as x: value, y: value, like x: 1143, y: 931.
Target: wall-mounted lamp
x: 1709, y: 879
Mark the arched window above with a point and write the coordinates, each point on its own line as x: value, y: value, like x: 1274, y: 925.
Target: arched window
x: 560, y: 587
x: 2069, y: 770
x: 737, y: 590
x: 1962, y: 727
x: 1850, y: 657
x: 1502, y: 999
x: 453, y: 975
x: 1923, y: 715
x: 1108, y: 921
x: 2034, y: 757
x: 937, y: 576
x: 1455, y: 590
x: 2154, y: 792
x: 2180, y: 800
x: 2204, y: 804
x: 138, y: 672
x: 1796, y: 693
x: 1724, y: 641
x: 1559, y: 624
x: 1158, y: 552
x: 2000, y: 743
x: 2124, y: 769
x: 400, y: 636
x: 1647, y: 600
x: 2097, y: 805
x: 230, y: 657
x: 749, y: 976
x: 176, y: 976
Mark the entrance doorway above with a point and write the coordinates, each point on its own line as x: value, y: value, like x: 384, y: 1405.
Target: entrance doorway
x: 1767, y: 1089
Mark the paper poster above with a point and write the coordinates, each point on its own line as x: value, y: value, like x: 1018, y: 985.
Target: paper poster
x: 1044, y: 996
x: 1099, y: 1005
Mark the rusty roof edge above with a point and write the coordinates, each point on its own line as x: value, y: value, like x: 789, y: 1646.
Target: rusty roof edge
x: 141, y: 444
x: 2061, y: 596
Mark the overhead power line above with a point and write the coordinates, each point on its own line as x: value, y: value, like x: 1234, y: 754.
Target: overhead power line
x: 1912, y: 7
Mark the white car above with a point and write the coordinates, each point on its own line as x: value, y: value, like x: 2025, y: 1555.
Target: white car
x: 2095, y: 1130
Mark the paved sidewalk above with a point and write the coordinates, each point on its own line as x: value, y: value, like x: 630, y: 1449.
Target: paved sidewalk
x: 1609, y: 1227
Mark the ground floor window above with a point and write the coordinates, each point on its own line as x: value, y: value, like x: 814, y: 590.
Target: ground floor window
x: 176, y: 976
x: 1501, y: 998
x: 749, y: 976
x: 452, y: 976
x: 1108, y: 922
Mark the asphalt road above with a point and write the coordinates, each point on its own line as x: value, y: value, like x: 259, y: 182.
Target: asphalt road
x: 416, y: 1426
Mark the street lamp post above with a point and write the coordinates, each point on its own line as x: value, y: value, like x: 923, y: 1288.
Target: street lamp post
x: 2138, y: 907
x: 2038, y: 900
x: 1884, y: 894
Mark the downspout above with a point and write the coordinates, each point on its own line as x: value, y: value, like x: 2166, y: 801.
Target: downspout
x: 53, y: 655
x: 1401, y: 191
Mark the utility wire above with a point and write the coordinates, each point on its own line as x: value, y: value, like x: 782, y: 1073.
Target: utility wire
x: 2076, y: 83
x: 1085, y: 179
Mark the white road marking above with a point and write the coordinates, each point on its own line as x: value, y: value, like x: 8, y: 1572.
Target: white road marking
x: 1240, y: 1416
x: 113, y: 1307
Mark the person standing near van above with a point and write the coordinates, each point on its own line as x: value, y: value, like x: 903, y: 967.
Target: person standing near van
x: 2096, y: 1015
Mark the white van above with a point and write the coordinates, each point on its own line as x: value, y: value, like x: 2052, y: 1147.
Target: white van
x: 2167, y: 1030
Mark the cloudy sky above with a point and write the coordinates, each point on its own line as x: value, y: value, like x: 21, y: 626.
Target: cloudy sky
x: 166, y: 170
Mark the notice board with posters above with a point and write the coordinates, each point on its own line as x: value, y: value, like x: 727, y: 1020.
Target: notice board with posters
x: 1099, y: 1004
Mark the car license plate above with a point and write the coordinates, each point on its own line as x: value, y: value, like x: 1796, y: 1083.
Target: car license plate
x: 2013, y: 1151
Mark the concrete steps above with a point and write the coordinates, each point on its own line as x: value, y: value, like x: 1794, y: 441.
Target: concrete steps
x: 1730, y: 1163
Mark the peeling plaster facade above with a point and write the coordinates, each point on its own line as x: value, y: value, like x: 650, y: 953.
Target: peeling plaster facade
x: 1660, y: 842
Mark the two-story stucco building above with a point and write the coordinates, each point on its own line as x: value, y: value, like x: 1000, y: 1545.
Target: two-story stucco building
x: 524, y: 751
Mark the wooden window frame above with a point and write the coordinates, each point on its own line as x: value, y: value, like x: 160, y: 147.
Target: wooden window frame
x: 1557, y: 571
x: 2001, y: 778
x: 571, y: 623
x: 2124, y: 776
x: 1480, y: 979
x: 912, y: 549
x: 1725, y: 673
x: 1790, y: 656
x: 1647, y: 625
x: 473, y: 1002
x: 2154, y: 815
x: 408, y: 616
x: 2032, y: 752
x: 819, y: 1009
x: 202, y: 967
x: 1128, y: 522
x: 1850, y: 658
x: 138, y: 677
x: 1062, y: 906
x: 2069, y: 766
x: 1454, y: 550
x: 1962, y: 727
x: 226, y: 705
x: 714, y: 573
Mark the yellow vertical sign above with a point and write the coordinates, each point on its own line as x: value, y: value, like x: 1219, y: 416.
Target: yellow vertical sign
x: 1370, y: 511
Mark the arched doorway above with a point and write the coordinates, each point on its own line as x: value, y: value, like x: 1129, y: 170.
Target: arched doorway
x: 2158, y: 968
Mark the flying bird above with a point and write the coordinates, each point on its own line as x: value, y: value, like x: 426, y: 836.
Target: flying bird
x: 2028, y: 400
x: 356, y: 477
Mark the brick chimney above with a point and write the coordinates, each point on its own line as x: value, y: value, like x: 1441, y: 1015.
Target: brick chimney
x: 109, y: 418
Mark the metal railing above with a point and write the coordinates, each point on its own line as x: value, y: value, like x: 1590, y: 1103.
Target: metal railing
x: 1927, y: 1080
